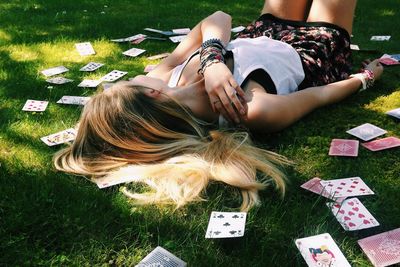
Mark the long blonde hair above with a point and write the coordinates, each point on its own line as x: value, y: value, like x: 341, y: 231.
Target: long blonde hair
x: 123, y: 132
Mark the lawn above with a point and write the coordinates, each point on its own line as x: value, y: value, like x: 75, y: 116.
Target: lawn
x: 50, y: 218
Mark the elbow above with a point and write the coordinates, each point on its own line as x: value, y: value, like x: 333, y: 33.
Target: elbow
x: 221, y: 15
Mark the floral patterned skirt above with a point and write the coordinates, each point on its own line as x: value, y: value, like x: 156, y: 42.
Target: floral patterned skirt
x: 324, y: 48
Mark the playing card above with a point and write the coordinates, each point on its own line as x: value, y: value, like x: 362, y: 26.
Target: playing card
x: 237, y: 29
x: 59, y: 80
x: 54, y: 71
x: 167, y: 33
x: 352, y: 215
x: 60, y: 137
x: 314, y: 185
x: 73, y: 100
x: 138, y: 41
x: 382, y: 249
x: 388, y: 60
x: 226, y: 224
x: 161, y: 257
x: 346, y: 187
x: 366, y: 131
x: 344, y: 147
x: 177, y: 39
x: 381, y: 144
x: 380, y: 38
x: 394, y: 112
x: 129, y: 39
x: 150, y: 67
x: 85, y: 49
x: 107, y: 86
x: 133, y: 52
x: 182, y: 31
x: 113, y: 75
x: 321, y: 251
x: 395, y: 57
x: 91, y: 66
x: 159, y: 56
x: 35, y: 105
x: 354, y: 47
x: 89, y: 83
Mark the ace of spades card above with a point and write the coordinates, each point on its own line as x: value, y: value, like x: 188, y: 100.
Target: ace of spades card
x: 226, y: 224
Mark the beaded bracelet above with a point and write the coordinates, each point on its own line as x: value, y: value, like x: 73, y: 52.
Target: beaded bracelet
x: 212, y: 51
x: 366, y: 77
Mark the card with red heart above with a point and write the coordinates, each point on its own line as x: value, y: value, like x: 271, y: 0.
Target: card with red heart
x: 346, y: 187
x: 314, y: 185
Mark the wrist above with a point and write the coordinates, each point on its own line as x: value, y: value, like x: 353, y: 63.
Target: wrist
x: 212, y: 51
x: 366, y: 77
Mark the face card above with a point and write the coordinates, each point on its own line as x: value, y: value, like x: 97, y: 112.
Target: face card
x: 107, y: 86
x: 181, y: 31
x: 91, y: 66
x: 177, y: 39
x: 133, y: 52
x: 380, y: 38
x: 381, y: 144
x: 113, y: 76
x: 354, y: 47
x: 394, y: 112
x: 344, y: 147
x: 60, y: 137
x: 321, y: 251
x: 54, y: 71
x: 59, y: 80
x: 346, y: 187
x: 161, y: 257
x: 366, y: 131
x: 159, y: 56
x: 237, y: 29
x: 89, y: 83
x: 352, y: 215
x: 74, y: 100
x: 226, y: 224
x: 382, y: 249
x: 35, y: 105
x: 85, y: 49
x: 150, y: 67
x: 314, y: 185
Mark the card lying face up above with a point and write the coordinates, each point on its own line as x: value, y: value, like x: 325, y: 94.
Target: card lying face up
x: 380, y: 38
x: 344, y: 147
x: 85, y: 49
x: 366, y: 131
x: 133, y: 52
x: 381, y: 144
x: 91, y: 66
x: 321, y: 251
x: 346, y: 187
x: 161, y: 257
x: 314, y: 185
x: 382, y: 249
x: 60, y: 137
x: 35, y: 105
x: 74, y: 100
x: 54, y: 71
x: 113, y: 75
x: 226, y: 224
x: 89, y: 83
x: 59, y: 80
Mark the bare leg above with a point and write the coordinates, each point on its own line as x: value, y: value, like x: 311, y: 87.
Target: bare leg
x: 286, y: 9
x: 339, y: 12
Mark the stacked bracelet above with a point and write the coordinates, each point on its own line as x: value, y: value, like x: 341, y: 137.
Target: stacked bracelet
x: 212, y: 51
x: 366, y: 77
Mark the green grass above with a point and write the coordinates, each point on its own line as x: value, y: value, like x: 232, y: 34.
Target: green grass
x: 49, y: 218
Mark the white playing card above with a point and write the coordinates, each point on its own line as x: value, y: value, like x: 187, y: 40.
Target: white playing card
x: 133, y: 52
x: 89, y: 83
x: 129, y: 39
x: 366, y: 131
x: 321, y: 251
x: 177, y: 39
x: 167, y: 33
x: 238, y: 29
x: 346, y: 187
x: 159, y: 56
x: 182, y: 31
x: 354, y: 47
x: 352, y: 215
x: 113, y: 75
x: 59, y: 80
x: 54, y: 71
x: 60, y: 137
x: 380, y: 38
x: 74, y: 100
x: 91, y: 66
x: 226, y: 224
x: 85, y: 49
x: 394, y: 112
x: 35, y: 105
x: 161, y: 257
x: 314, y: 185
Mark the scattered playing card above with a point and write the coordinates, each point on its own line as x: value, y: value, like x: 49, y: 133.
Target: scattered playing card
x: 346, y: 187
x: 91, y: 66
x: 177, y: 39
x: 113, y: 75
x: 394, y: 112
x: 74, y: 100
x: 321, y: 251
x: 380, y: 38
x: 167, y: 33
x: 354, y: 47
x: 314, y: 185
x: 89, y: 83
x: 54, y: 71
x: 35, y: 105
x: 129, y: 39
x: 161, y: 257
x: 388, y: 60
x: 352, y: 215
x: 226, y: 224
x: 159, y: 56
x: 85, y: 49
x: 60, y: 137
x: 182, y: 31
x: 150, y: 67
x: 344, y: 147
x: 381, y: 144
x: 395, y: 57
x: 237, y: 29
x: 59, y: 80
x: 382, y: 249
x: 138, y: 41
x: 133, y: 52
x: 366, y: 131
x: 107, y: 86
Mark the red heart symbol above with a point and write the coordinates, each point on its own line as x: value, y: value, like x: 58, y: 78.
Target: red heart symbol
x: 355, y: 208
x: 366, y: 222
x: 361, y: 215
x: 353, y: 186
x: 346, y: 218
x: 340, y: 188
x: 337, y: 206
x: 351, y: 213
x: 362, y: 189
x: 349, y: 190
x: 341, y: 211
x: 351, y: 203
x: 343, y: 183
x: 351, y: 224
x: 355, y: 182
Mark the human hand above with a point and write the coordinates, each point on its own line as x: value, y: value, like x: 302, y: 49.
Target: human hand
x: 375, y: 66
x: 226, y: 96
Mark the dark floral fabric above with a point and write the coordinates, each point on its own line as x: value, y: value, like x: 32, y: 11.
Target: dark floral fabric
x: 324, y: 48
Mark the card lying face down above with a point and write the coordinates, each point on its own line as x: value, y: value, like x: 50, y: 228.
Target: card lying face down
x: 381, y: 144
x: 162, y: 258
x: 321, y: 251
x: 226, y: 224
x: 366, y: 131
x: 394, y: 112
x: 344, y: 147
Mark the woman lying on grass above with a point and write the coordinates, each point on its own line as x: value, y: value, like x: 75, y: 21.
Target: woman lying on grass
x: 164, y: 129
